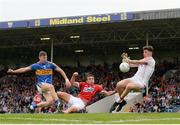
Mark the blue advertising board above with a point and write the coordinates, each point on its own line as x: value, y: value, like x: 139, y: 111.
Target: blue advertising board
x: 63, y: 21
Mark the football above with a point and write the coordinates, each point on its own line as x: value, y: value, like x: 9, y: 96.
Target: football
x: 124, y: 67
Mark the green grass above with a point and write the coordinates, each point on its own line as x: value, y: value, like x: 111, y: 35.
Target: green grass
x: 146, y: 118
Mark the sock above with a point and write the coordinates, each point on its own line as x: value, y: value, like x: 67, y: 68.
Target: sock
x: 34, y: 105
x: 57, y: 103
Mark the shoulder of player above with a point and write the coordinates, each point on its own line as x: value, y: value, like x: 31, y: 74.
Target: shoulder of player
x: 146, y: 59
x: 51, y: 63
x: 149, y: 59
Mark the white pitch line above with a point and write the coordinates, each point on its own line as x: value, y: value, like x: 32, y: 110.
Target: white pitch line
x: 52, y: 119
x: 91, y: 121
x: 39, y: 119
x: 145, y: 119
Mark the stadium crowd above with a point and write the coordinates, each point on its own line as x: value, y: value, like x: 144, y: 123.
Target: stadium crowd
x: 17, y: 91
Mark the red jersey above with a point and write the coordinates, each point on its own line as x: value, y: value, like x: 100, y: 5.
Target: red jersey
x: 37, y: 98
x: 87, y: 91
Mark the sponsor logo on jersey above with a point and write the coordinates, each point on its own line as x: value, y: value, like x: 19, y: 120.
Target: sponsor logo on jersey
x: 88, y: 89
x: 44, y: 72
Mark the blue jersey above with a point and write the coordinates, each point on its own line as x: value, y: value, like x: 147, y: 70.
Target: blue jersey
x: 44, y: 71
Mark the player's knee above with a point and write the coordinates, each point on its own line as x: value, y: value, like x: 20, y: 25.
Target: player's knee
x: 129, y: 87
x: 119, y: 85
x: 60, y: 94
x: 75, y: 110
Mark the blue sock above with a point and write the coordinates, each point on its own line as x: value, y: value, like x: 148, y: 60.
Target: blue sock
x: 34, y: 104
x: 57, y: 103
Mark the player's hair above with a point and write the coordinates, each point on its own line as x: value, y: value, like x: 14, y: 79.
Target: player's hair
x: 90, y: 75
x: 42, y: 53
x: 149, y: 48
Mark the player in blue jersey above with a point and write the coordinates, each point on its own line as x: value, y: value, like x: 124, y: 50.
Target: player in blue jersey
x: 44, y: 73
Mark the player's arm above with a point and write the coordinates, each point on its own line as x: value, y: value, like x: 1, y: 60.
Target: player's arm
x: 137, y: 62
x: 59, y: 70
x: 133, y: 63
x: 107, y: 93
x: 20, y: 70
x: 72, y: 81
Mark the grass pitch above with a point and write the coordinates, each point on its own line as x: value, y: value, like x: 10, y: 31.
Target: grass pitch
x: 130, y: 118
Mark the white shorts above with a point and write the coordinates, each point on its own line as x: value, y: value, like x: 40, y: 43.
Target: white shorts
x: 38, y: 86
x: 39, y: 89
x: 77, y: 102
x: 136, y: 80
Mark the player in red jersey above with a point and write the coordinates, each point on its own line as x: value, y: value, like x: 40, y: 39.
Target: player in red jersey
x: 37, y: 99
x: 87, y: 91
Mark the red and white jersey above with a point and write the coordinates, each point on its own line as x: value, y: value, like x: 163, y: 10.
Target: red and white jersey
x: 87, y: 91
x: 37, y: 98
